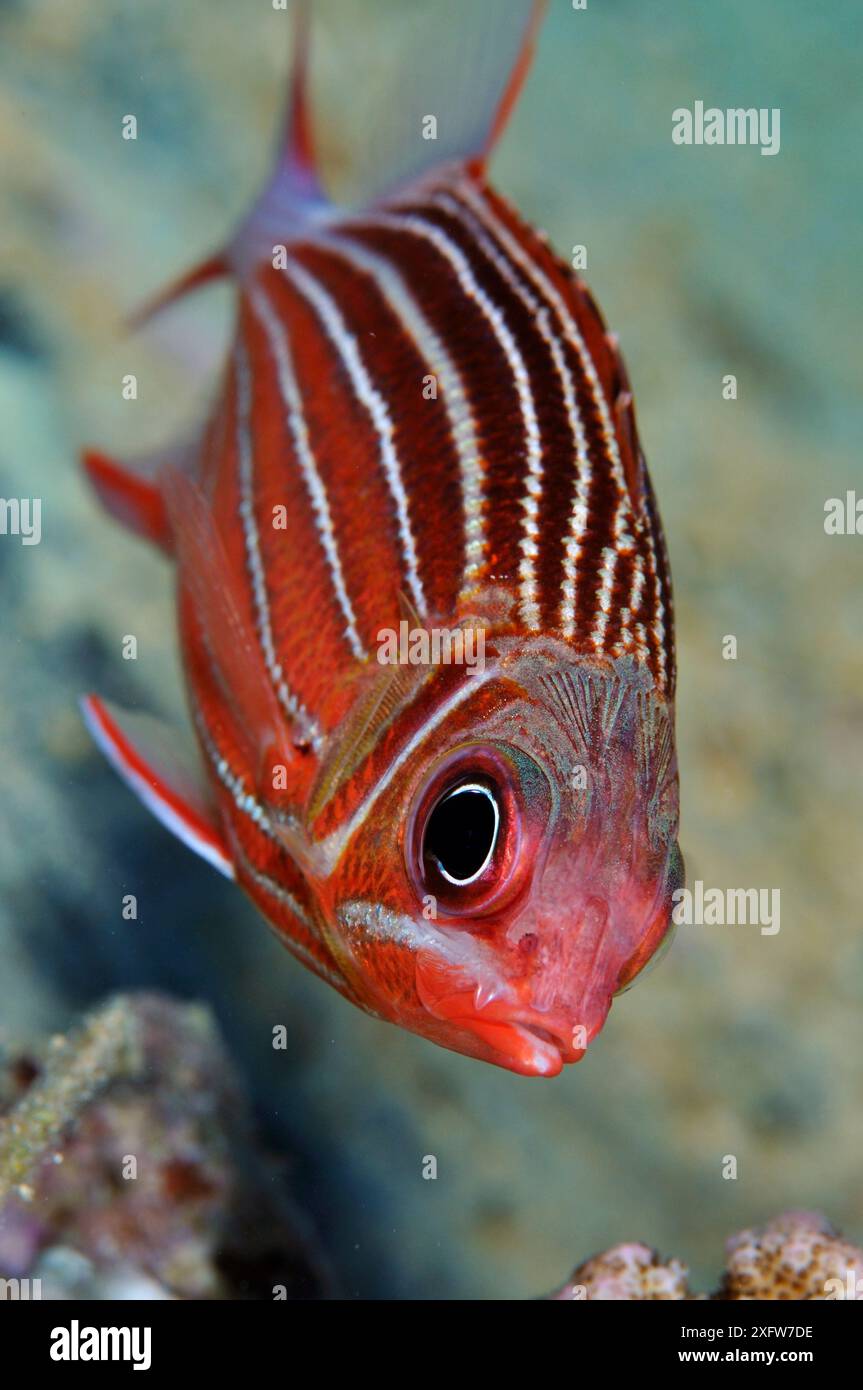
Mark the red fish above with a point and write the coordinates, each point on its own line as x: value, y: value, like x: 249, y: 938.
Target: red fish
x: 423, y: 427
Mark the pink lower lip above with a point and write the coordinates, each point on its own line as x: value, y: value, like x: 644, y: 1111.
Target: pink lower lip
x: 521, y: 1048
x: 522, y: 1039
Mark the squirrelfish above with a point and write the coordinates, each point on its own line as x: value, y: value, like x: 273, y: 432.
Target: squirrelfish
x: 424, y: 600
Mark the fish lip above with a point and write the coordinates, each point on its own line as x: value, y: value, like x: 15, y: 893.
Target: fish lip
x: 546, y: 1035
x: 552, y: 1032
x: 527, y: 1042
x: 517, y: 1046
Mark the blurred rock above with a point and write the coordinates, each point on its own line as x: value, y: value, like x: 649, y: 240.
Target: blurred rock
x: 129, y: 1167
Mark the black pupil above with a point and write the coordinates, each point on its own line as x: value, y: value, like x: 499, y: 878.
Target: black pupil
x: 461, y: 831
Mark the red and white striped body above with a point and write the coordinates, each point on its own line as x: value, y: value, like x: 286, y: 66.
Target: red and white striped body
x: 435, y: 406
x: 424, y: 415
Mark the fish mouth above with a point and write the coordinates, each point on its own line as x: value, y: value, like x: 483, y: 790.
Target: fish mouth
x: 524, y: 1045
x: 520, y: 1039
x: 519, y: 1047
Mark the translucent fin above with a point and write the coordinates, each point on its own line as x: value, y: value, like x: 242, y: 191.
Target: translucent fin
x: 632, y: 458
x: 130, y: 492
x: 416, y: 86
x: 214, y: 268
x: 164, y: 774
x: 297, y: 159
x: 382, y: 693
x: 293, y: 197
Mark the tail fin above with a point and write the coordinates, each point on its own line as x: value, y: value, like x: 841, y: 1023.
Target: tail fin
x: 130, y: 490
x: 291, y: 196
x: 426, y: 83
x: 453, y: 73
x: 297, y: 158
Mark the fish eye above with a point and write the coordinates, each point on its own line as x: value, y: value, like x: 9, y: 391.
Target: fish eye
x: 473, y: 831
x: 461, y: 834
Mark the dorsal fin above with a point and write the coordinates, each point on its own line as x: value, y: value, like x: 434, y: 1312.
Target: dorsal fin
x: 162, y: 772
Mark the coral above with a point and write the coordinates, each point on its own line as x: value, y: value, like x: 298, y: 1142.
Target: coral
x: 798, y: 1255
x: 627, y: 1272
x: 129, y: 1169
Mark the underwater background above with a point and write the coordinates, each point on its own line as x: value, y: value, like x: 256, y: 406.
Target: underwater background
x: 706, y: 261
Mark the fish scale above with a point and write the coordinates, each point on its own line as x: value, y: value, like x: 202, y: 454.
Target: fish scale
x: 423, y: 421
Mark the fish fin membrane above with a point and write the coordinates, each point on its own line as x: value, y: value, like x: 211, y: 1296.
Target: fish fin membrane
x: 604, y: 348
x: 382, y: 693
x: 213, y: 268
x: 163, y: 773
x: 297, y: 156
x: 291, y: 198
x: 436, y: 88
x: 130, y: 492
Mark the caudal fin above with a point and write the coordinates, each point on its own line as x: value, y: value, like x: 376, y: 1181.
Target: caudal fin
x: 426, y: 83
x: 131, y: 490
x: 292, y: 194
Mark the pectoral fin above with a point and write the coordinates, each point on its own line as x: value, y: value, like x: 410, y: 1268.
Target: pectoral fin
x: 130, y: 493
x: 149, y: 758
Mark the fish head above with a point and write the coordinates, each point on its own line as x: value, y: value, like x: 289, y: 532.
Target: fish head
x: 520, y: 870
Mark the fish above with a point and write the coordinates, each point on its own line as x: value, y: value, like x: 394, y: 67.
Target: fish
x: 422, y: 426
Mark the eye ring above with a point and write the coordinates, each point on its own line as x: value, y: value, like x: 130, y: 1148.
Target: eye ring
x: 475, y: 890
x: 463, y: 789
